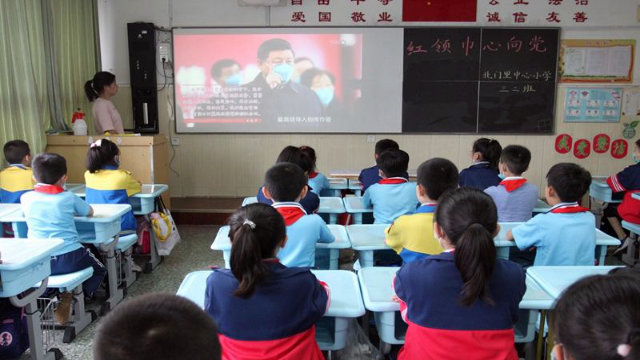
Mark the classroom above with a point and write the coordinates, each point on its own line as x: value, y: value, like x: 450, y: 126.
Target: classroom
x: 442, y: 174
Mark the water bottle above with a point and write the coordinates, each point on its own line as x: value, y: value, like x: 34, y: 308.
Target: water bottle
x: 79, y: 126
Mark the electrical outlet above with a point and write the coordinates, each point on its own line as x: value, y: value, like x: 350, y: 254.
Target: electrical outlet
x: 371, y: 138
x: 163, y: 51
x: 175, y: 141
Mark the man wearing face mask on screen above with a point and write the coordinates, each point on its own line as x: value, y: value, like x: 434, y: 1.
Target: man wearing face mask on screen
x: 283, y: 101
x: 226, y: 74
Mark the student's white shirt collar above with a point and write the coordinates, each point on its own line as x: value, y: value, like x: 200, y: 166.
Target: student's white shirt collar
x: 565, y: 204
x: 513, y: 178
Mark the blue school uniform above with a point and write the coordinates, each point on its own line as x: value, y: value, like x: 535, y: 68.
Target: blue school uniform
x: 277, y: 321
x: 303, y: 232
x: 438, y: 323
x: 515, y: 199
x: 390, y: 199
x: 479, y: 175
x: 15, y: 180
x: 565, y: 235
x: 49, y: 211
x: 112, y: 186
x: 369, y: 176
x: 317, y: 182
x: 310, y: 203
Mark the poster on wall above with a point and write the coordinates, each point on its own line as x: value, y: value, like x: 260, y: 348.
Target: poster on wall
x: 631, y: 103
x: 597, y: 60
x: 593, y: 105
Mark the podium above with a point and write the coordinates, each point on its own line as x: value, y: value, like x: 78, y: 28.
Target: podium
x: 146, y: 157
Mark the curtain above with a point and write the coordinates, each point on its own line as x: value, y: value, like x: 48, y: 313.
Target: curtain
x: 24, y: 109
x: 73, y: 44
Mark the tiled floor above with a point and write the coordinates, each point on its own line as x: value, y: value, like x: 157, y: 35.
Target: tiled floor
x: 193, y: 253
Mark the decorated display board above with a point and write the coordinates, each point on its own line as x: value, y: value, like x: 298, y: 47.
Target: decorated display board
x: 479, y: 80
x: 597, y: 60
x: 592, y: 105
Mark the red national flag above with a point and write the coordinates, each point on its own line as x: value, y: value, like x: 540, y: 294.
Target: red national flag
x: 439, y: 10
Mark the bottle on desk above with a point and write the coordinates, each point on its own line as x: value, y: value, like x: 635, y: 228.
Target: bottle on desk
x: 78, y: 124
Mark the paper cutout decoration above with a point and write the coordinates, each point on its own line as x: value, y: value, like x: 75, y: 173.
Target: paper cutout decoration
x: 619, y: 148
x: 629, y: 131
x: 563, y: 143
x: 601, y: 143
x: 582, y: 149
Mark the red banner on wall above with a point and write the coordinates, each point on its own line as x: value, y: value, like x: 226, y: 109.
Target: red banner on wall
x: 439, y: 10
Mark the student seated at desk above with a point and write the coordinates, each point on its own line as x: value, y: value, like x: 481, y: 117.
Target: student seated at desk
x: 371, y: 175
x: 598, y: 317
x: 317, y: 181
x: 623, y: 185
x: 106, y: 184
x: 463, y: 299
x: 566, y: 235
x: 394, y: 195
x: 286, y: 184
x: 484, y: 171
x: 411, y: 236
x: 16, y: 179
x: 49, y: 211
x: 291, y: 154
x: 157, y: 327
x: 264, y: 310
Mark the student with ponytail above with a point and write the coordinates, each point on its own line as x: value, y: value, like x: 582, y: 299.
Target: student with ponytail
x: 263, y: 309
x: 106, y: 183
x: 485, y: 154
x: 465, y: 298
x: 598, y: 318
x: 99, y: 91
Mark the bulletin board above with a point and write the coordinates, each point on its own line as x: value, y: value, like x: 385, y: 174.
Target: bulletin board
x: 596, y: 61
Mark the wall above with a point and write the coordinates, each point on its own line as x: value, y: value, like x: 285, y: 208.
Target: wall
x: 233, y: 164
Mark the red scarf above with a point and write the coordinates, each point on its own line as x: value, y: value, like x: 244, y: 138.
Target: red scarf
x: 393, y: 180
x: 569, y: 209
x: 313, y: 174
x: 48, y: 189
x: 291, y: 212
x: 513, y: 184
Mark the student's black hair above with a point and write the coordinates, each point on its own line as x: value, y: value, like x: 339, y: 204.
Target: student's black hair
x: 469, y: 219
x: 100, y: 156
x: 15, y: 151
x: 306, y: 78
x: 256, y: 230
x: 311, y: 154
x: 296, y: 156
x: 597, y: 314
x: 570, y: 181
x: 285, y: 181
x: 216, y: 69
x: 94, y: 87
x: 393, y: 163
x: 490, y: 150
x: 638, y: 143
x: 157, y: 327
x: 48, y: 168
x: 516, y: 158
x: 384, y: 145
x: 270, y: 45
x: 437, y: 176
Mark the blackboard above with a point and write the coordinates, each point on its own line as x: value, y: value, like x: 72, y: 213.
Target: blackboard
x: 479, y: 80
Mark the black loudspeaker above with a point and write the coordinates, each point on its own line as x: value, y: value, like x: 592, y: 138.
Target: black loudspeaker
x: 142, y: 69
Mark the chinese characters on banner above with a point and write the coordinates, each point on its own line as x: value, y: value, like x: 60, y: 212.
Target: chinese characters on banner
x: 338, y: 12
x: 537, y: 12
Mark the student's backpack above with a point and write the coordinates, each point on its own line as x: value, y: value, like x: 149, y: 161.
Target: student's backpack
x: 14, y: 338
x: 144, y: 236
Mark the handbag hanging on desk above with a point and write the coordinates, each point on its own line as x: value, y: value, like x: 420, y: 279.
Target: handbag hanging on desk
x: 164, y: 227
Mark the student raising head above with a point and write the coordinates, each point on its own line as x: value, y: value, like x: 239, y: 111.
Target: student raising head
x: 370, y: 176
x: 264, y: 310
x: 17, y: 178
x: 292, y: 154
x: 106, y: 183
x: 484, y: 171
x: 598, y: 318
x: 157, y: 327
x: 317, y: 181
x: 465, y: 298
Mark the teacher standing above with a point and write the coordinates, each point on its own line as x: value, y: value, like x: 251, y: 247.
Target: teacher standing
x: 99, y: 90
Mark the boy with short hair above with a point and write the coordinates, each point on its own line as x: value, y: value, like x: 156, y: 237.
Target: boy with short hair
x: 49, y: 211
x: 394, y: 195
x: 514, y: 197
x: 411, y: 236
x: 370, y: 176
x: 285, y: 183
x: 157, y: 327
x: 17, y: 178
x: 566, y: 235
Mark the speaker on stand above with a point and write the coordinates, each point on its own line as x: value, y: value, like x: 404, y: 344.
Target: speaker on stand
x: 142, y: 69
